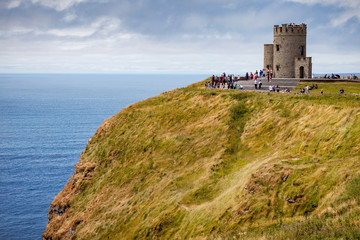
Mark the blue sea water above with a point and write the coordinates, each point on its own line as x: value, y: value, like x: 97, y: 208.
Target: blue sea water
x: 45, y: 123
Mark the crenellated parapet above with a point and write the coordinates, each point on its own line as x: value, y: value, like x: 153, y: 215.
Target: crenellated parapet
x: 288, y: 30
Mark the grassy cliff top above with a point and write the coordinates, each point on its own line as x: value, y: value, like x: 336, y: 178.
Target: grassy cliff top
x: 218, y: 164
x: 331, y: 88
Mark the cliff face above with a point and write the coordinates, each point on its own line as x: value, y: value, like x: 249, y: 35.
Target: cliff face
x: 217, y: 164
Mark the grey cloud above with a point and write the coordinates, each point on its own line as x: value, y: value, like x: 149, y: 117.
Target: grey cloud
x: 162, y: 19
x: 54, y: 4
x: 351, y: 9
x: 150, y: 36
x: 58, y: 5
x: 13, y: 4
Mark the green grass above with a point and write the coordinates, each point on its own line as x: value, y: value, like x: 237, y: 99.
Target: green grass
x: 196, y: 163
x: 353, y: 189
x: 331, y: 88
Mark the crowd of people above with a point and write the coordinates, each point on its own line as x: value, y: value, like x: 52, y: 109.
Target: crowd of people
x: 337, y: 76
x: 269, y: 74
x: 354, y: 77
x: 223, y: 81
x: 294, y: 25
x: 231, y: 81
x: 333, y: 76
x: 224, y: 84
x: 306, y: 88
x: 273, y: 88
x: 237, y: 85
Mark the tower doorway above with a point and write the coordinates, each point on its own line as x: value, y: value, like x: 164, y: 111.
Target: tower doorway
x: 301, y: 72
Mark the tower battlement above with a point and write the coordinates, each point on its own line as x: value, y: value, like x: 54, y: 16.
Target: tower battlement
x: 287, y: 29
x: 286, y: 57
x: 301, y: 59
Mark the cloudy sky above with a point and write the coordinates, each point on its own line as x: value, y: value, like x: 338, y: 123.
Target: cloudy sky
x: 170, y: 36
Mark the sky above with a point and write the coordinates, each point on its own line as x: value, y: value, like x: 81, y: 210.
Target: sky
x: 170, y: 36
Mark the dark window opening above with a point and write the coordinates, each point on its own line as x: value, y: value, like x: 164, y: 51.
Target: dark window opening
x: 302, y: 50
x: 268, y: 66
x: 277, y: 47
x: 277, y: 67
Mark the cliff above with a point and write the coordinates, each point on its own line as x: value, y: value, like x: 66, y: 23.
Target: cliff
x: 218, y: 164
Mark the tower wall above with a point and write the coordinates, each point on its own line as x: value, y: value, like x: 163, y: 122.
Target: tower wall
x: 268, y: 56
x: 306, y: 65
x: 289, y: 44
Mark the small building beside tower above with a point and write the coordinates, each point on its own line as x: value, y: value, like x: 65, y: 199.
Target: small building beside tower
x: 286, y: 57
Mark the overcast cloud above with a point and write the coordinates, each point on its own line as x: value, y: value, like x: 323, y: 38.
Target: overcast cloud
x: 168, y: 36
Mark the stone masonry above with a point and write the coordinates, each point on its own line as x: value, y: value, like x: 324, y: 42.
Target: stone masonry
x: 287, y: 55
x: 303, y: 67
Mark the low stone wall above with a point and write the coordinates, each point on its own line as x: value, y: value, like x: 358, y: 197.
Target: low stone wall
x: 341, y: 77
x: 329, y: 80
x: 316, y: 80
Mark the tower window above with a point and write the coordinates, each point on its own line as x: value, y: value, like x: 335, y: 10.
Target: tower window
x: 268, y: 66
x: 277, y: 47
x: 302, y: 50
x: 277, y: 67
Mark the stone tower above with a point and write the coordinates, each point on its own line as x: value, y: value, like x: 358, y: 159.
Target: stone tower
x: 287, y: 55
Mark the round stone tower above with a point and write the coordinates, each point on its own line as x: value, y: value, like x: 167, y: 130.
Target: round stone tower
x: 289, y: 44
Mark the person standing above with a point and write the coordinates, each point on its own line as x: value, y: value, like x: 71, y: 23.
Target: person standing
x: 255, y: 83
x: 268, y: 74
x: 260, y: 84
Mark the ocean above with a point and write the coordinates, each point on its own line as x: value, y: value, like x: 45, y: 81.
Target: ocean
x: 45, y: 123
